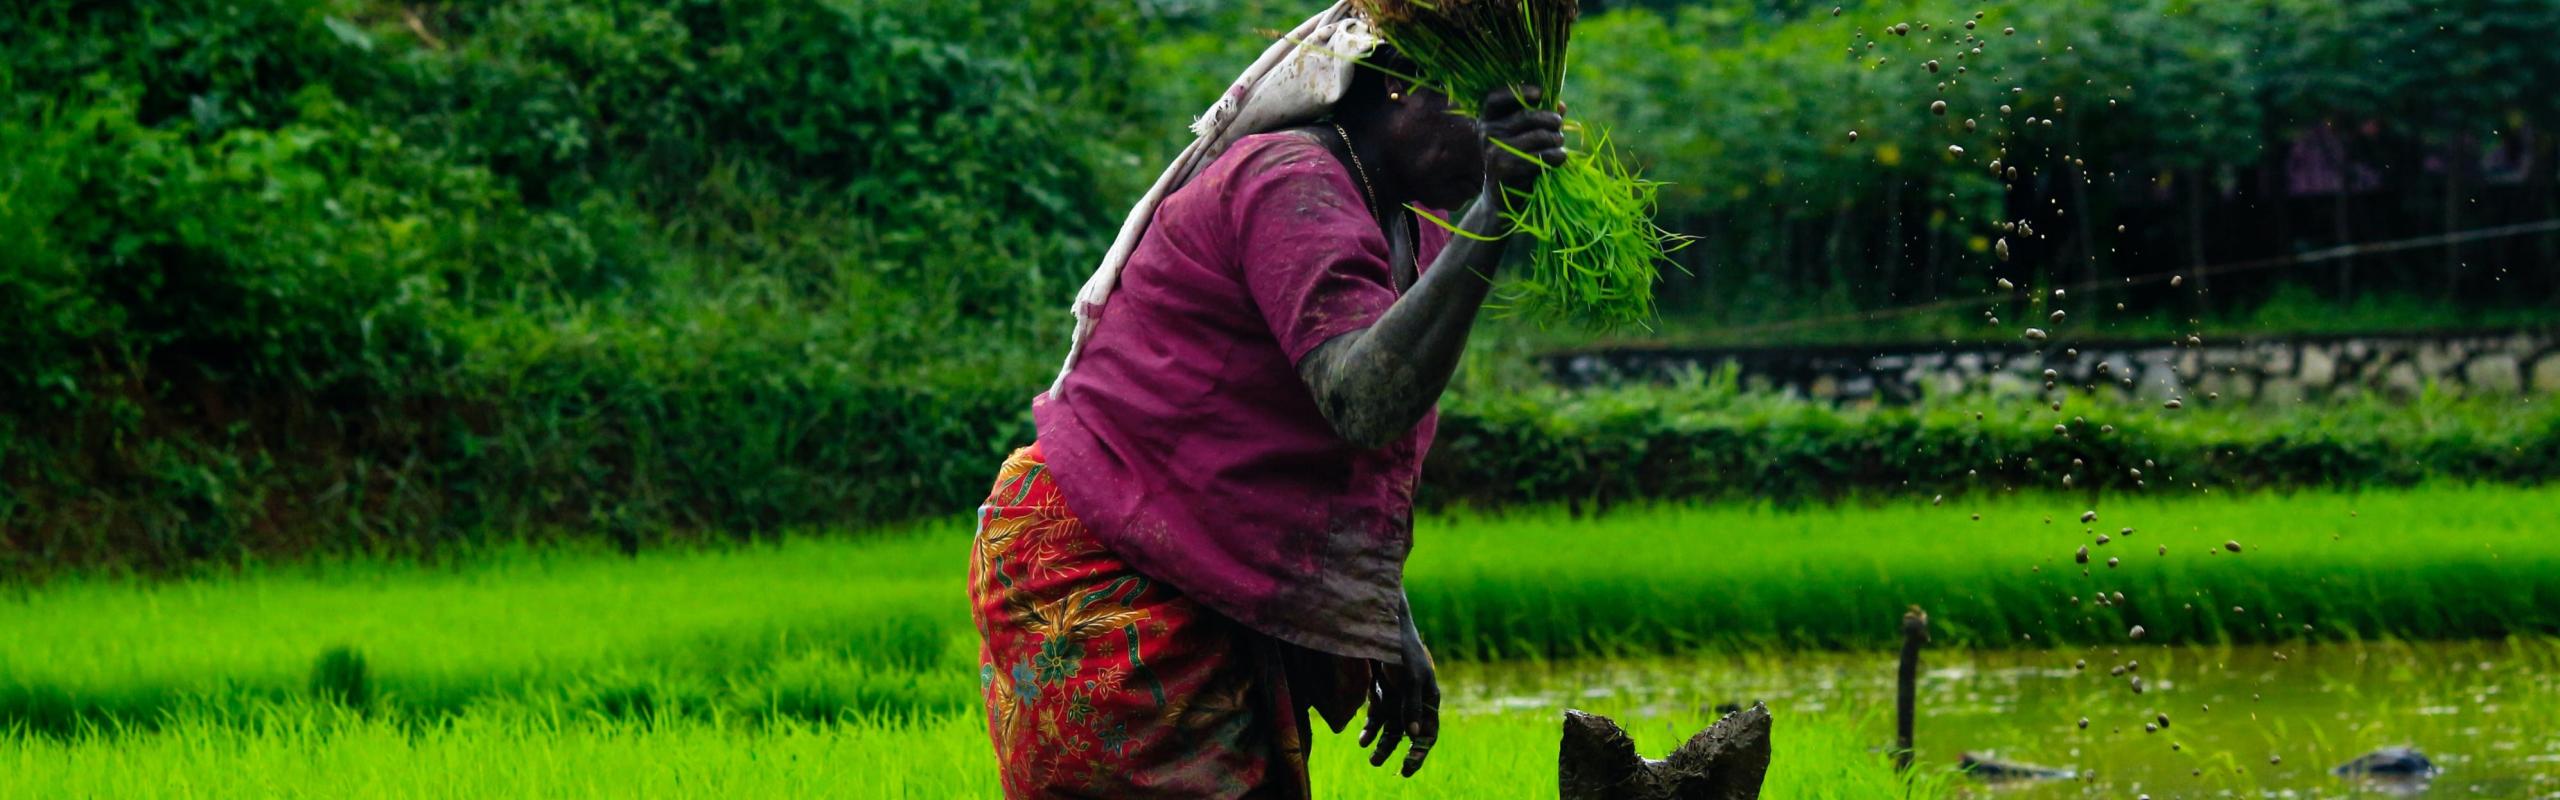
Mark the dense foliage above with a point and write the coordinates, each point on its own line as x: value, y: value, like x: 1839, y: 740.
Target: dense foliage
x: 286, y: 275
x: 399, y: 273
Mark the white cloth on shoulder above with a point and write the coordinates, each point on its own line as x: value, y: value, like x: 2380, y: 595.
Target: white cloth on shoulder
x: 1296, y: 81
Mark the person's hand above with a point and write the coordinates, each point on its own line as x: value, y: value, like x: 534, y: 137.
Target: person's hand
x: 1512, y: 129
x: 1404, y: 702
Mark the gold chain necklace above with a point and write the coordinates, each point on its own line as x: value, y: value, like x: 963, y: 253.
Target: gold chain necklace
x: 1362, y: 169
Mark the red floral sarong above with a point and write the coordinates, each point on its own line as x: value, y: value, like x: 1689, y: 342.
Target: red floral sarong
x: 1101, y: 682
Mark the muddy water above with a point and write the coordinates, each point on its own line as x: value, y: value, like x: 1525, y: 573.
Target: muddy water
x: 2242, y: 722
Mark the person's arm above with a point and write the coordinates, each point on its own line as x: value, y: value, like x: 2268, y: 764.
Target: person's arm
x: 1375, y: 384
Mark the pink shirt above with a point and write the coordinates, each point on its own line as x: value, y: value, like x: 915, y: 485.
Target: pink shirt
x: 1184, y: 436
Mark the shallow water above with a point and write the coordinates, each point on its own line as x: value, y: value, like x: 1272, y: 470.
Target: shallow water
x: 2244, y: 722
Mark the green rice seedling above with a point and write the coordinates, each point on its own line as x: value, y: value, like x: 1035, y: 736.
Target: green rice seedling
x: 823, y: 628
x: 338, y: 677
x: 535, y: 752
x: 1598, y: 250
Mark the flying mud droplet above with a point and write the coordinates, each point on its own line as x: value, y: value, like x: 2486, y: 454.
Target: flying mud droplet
x: 2137, y: 633
x: 2137, y: 684
x: 1853, y: 136
x: 2081, y: 557
x: 2176, y: 281
x: 2164, y: 721
x: 2002, y: 248
x: 2035, y: 334
x: 1932, y: 64
x: 2057, y: 317
x: 1937, y: 500
x: 2084, y: 723
x: 2233, y: 546
x: 1955, y: 150
x: 2005, y: 285
x: 2173, y: 404
x: 2111, y: 563
x: 2087, y: 517
x: 1938, y: 107
x: 2061, y: 430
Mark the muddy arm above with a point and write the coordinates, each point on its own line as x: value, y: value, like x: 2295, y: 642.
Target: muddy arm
x: 1373, y: 385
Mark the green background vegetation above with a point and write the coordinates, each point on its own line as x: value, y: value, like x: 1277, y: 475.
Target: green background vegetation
x: 344, y: 276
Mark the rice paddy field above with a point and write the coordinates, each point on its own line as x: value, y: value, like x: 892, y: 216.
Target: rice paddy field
x: 844, y: 665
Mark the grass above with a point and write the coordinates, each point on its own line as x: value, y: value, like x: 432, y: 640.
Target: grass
x: 825, y: 628
x: 2432, y: 563
x: 313, y: 751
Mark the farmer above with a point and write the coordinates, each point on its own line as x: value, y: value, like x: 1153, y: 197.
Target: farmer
x: 1208, y: 538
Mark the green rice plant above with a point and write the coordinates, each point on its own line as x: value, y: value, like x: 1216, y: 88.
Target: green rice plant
x: 338, y: 677
x: 1598, y: 250
x: 312, y: 751
x: 828, y: 628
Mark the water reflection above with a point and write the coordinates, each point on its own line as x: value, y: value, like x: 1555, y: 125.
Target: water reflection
x: 2212, y: 722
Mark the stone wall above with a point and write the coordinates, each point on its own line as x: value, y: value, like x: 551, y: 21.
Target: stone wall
x: 2510, y: 361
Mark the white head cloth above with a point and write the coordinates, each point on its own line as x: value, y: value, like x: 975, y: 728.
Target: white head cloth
x: 1296, y: 81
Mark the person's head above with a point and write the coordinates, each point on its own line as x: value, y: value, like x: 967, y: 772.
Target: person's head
x: 1435, y: 156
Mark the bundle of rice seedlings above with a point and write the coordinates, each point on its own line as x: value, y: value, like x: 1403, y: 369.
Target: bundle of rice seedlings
x: 1598, y: 251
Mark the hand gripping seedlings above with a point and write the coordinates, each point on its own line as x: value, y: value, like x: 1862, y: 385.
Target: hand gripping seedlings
x: 1597, y: 250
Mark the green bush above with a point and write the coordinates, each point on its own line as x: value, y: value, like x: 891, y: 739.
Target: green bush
x: 1707, y: 439
x: 295, y: 275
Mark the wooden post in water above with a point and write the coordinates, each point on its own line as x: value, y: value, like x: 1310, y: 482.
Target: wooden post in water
x: 1915, y: 632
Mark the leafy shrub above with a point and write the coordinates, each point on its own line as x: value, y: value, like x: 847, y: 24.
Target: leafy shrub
x: 1707, y: 439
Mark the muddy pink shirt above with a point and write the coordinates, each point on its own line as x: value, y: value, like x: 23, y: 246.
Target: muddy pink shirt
x: 1184, y: 435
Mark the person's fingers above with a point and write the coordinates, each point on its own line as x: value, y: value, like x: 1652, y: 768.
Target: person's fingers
x: 1377, y: 713
x: 1535, y: 140
x: 1387, y: 745
x: 1530, y: 94
x: 1423, y: 724
x: 1500, y: 105
x: 1521, y: 121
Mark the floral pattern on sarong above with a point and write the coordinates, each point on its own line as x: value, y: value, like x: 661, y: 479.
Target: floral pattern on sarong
x: 1101, y: 682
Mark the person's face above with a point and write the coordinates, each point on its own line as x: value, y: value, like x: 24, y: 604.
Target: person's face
x: 1438, y: 154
